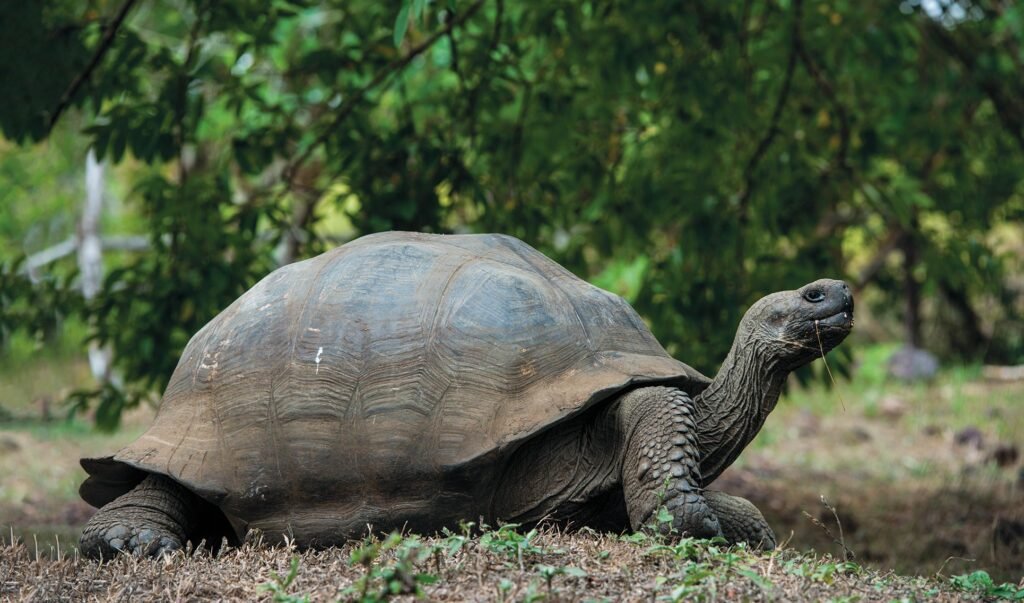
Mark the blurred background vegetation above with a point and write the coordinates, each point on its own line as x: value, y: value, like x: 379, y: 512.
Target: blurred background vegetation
x: 690, y: 157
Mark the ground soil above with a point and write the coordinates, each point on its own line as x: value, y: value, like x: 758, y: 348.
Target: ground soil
x: 552, y: 566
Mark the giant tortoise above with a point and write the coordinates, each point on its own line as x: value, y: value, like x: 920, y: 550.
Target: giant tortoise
x: 411, y: 381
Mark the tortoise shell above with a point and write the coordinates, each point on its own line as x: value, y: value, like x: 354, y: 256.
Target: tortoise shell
x: 380, y: 379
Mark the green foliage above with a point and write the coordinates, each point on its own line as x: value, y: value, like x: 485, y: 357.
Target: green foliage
x: 701, y: 563
x: 689, y: 158
x: 820, y: 571
x: 550, y: 572
x: 504, y: 586
x: 981, y: 583
x: 411, y: 9
x: 682, y: 549
x: 196, y: 267
x: 34, y: 308
x: 40, y: 185
x: 50, y: 46
x: 383, y: 579
x: 508, y: 542
x: 279, y: 587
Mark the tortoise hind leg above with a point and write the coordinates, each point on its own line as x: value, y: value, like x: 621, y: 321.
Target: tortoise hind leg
x: 155, y: 517
x: 661, y: 464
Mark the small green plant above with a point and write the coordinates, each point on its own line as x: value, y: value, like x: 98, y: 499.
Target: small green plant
x: 662, y: 523
x: 504, y: 588
x: 638, y: 537
x: 824, y: 571
x: 453, y: 542
x: 681, y: 593
x: 684, y: 548
x: 279, y: 587
x: 548, y: 572
x: 381, y: 581
x: 694, y: 574
x: 750, y: 574
x: 981, y: 583
x: 447, y: 547
x: 532, y: 593
x: 693, y: 582
x: 507, y: 542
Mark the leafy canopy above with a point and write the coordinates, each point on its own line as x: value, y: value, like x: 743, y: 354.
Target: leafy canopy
x: 690, y: 157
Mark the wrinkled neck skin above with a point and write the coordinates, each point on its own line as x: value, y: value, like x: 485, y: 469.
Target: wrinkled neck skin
x: 733, y: 408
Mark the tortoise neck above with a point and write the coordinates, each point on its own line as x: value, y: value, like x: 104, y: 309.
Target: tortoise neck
x: 735, y: 405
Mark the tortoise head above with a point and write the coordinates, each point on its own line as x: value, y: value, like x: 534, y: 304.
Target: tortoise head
x: 779, y: 333
x: 795, y: 327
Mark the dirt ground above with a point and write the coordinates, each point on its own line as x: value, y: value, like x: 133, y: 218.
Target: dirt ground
x: 915, y: 484
x: 494, y: 566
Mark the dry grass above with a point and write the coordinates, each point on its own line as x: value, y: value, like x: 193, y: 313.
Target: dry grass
x: 500, y: 565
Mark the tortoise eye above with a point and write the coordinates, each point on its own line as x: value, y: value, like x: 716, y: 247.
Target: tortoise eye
x: 814, y: 296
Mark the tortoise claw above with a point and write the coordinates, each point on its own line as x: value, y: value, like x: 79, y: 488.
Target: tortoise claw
x: 128, y: 540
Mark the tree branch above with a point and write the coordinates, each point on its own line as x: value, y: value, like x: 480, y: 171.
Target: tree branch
x: 70, y: 245
x: 97, y: 57
x: 773, y: 124
x: 449, y: 15
x: 889, y: 244
x: 1007, y: 104
x: 182, y: 92
x: 826, y: 88
x: 357, y: 97
x: 744, y: 36
x: 474, y: 93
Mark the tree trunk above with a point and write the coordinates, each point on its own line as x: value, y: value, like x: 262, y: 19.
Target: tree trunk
x: 297, y: 234
x: 911, y: 293
x: 90, y: 254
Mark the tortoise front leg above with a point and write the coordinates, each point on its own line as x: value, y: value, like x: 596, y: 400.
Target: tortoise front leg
x: 155, y: 517
x: 741, y: 521
x: 661, y: 463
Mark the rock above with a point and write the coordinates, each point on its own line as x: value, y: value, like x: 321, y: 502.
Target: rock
x: 912, y: 364
x: 1004, y: 455
x: 857, y: 435
x: 1008, y: 533
x: 892, y: 407
x: 970, y: 436
x: 8, y: 444
x: 931, y: 430
x: 1003, y: 373
x: 807, y: 424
